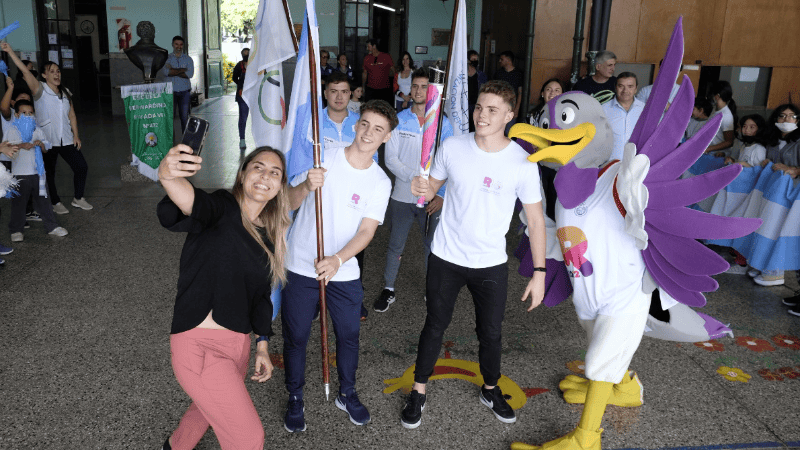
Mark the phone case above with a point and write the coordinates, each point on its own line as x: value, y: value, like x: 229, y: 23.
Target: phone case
x: 195, y: 134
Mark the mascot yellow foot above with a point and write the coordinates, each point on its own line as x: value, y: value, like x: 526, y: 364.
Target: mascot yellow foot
x: 627, y: 393
x: 587, y: 435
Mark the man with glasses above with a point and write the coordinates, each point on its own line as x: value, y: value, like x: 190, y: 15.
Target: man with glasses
x: 376, y: 77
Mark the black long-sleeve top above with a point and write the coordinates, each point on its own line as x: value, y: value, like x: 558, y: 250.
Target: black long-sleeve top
x: 222, y: 267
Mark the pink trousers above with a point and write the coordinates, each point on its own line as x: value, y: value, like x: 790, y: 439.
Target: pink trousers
x: 210, y: 366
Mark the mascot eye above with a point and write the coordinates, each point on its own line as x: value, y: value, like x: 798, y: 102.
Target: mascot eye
x: 545, y: 124
x: 567, y: 115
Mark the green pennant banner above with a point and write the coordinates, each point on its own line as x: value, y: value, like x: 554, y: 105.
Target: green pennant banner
x: 148, y: 110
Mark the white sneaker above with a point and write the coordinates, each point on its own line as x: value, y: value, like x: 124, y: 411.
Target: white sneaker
x: 16, y: 237
x: 81, y: 203
x: 761, y: 279
x: 59, y: 208
x: 752, y: 273
x: 736, y: 269
x: 242, y: 143
x: 59, y: 231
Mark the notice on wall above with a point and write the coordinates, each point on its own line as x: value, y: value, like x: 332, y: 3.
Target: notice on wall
x: 68, y: 64
x: 52, y: 39
x: 30, y: 56
x: 52, y: 55
x: 66, y: 52
x: 749, y: 74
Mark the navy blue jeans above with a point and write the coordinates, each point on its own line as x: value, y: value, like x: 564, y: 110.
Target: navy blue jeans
x: 298, y: 305
x: 488, y: 287
x: 244, y: 110
x: 182, y: 101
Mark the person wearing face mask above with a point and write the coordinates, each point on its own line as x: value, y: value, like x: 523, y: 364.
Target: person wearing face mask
x: 475, y: 79
x: 783, y: 150
x: 28, y: 167
x: 748, y: 150
x: 722, y: 99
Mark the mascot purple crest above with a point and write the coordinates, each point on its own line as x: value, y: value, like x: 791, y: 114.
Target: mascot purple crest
x: 628, y: 237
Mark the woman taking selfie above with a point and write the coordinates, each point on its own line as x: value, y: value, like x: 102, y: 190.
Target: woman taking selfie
x: 234, y: 253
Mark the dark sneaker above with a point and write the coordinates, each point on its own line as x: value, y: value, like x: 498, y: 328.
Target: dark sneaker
x: 33, y: 217
x: 411, y: 416
x: 295, y: 419
x: 790, y: 301
x: 349, y: 403
x: 795, y: 310
x: 5, y: 250
x: 384, y: 300
x: 493, y: 398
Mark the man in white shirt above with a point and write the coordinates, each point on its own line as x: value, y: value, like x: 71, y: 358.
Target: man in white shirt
x: 486, y: 173
x: 623, y: 112
x: 355, y: 192
x: 403, y: 154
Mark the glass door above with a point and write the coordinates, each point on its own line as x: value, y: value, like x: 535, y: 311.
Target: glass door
x: 356, y: 21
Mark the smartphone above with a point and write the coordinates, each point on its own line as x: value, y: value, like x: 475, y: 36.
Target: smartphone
x: 195, y: 134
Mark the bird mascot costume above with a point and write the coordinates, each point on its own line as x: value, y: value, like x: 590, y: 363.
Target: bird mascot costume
x: 626, y: 232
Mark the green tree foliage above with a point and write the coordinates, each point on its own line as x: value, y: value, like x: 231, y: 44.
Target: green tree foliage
x: 238, y: 15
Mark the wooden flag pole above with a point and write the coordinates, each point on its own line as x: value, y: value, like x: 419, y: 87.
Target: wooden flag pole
x: 323, y: 305
x: 291, y: 25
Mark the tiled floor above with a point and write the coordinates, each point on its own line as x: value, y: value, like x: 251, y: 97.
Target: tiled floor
x: 86, y: 364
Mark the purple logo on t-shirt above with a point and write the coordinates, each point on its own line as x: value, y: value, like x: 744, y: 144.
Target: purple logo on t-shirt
x: 356, y: 198
x: 487, y: 182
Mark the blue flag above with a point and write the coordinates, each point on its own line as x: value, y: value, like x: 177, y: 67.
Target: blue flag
x: 297, y: 137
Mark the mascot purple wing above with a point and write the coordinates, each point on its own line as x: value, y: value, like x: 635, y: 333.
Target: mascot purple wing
x: 667, y: 214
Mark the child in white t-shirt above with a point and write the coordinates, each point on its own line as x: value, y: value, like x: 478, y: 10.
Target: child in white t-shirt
x: 355, y: 100
x: 485, y: 172
x: 748, y: 150
x: 28, y: 168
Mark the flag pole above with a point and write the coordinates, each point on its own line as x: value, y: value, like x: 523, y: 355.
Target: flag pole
x: 291, y: 25
x: 444, y: 91
x: 323, y: 305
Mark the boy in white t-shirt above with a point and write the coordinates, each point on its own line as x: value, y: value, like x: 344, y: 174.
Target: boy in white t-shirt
x: 28, y: 168
x: 355, y: 192
x: 485, y: 173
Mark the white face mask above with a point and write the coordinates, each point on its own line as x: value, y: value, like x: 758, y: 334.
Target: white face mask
x: 786, y: 127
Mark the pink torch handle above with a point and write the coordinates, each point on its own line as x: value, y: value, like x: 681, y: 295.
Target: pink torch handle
x: 433, y: 108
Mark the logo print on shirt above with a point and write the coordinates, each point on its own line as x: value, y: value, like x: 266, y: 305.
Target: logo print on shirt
x: 574, y: 246
x: 487, y: 182
x: 356, y: 198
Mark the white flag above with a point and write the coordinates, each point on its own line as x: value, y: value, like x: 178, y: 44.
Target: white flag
x: 297, y: 137
x: 457, y: 104
x: 263, y: 89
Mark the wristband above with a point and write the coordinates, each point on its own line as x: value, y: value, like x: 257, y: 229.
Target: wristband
x: 340, y: 261
x: 262, y: 338
x: 540, y: 269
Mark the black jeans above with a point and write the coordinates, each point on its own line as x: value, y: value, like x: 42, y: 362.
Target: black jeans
x: 76, y: 162
x: 488, y: 287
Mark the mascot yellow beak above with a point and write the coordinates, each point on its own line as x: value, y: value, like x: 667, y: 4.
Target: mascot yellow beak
x: 555, y: 146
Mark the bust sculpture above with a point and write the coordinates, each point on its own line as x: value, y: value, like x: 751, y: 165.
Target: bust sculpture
x: 146, y: 55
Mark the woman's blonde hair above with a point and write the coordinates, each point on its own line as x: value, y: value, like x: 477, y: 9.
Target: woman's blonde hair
x: 274, y: 216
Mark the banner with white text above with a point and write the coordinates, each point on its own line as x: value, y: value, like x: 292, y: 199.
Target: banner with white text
x: 148, y: 110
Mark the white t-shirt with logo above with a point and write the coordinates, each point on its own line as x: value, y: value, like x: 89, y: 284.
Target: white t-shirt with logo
x: 348, y: 196
x: 482, y: 189
x: 603, y: 262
